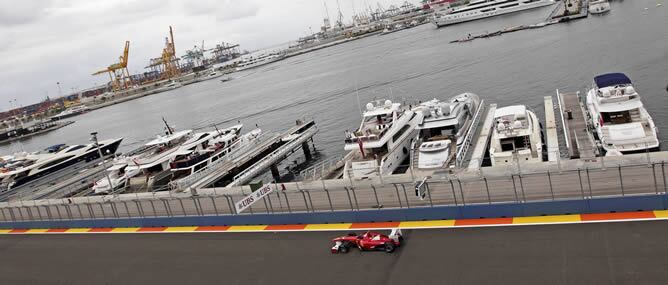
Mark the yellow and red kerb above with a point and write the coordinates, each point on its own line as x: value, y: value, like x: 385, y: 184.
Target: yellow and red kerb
x: 484, y: 222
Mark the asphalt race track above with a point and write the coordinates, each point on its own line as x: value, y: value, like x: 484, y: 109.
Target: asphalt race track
x: 610, y: 253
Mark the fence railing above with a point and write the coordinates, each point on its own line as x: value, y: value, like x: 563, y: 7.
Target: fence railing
x: 394, y: 192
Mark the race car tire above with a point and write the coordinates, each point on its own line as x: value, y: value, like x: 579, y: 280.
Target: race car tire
x: 344, y: 247
x: 389, y: 247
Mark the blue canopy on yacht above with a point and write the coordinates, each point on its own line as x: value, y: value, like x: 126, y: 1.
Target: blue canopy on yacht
x: 611, y: 79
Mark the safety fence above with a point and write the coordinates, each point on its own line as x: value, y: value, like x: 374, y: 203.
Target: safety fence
x: 338, y: 196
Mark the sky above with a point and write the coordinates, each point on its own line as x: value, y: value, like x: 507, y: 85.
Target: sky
x: 43, y: 42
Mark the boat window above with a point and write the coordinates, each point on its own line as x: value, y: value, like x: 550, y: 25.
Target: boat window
x: 515, y: 143
x: 481, y: 6
x: 398, y: 135
x: 76, y: 148
x: 440, y: 133
x: 376, y: 152
x: 509, y: 5
x: 616, y: 117
x: 54, y: 162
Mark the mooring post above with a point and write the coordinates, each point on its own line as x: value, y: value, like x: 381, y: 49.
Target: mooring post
x: 307, y: 151
x: 274, y: 172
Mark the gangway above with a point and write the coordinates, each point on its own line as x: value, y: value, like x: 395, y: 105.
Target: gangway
x: 468, y: 139
x: 579, y: 140
x: 244, y: 164
x: 551, y: 130
x: 483, y: 140
x: 294, y: 141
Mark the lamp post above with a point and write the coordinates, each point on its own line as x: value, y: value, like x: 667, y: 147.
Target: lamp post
x: 104, y: 164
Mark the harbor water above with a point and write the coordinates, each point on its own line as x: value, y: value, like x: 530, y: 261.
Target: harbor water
x: 414, y: 64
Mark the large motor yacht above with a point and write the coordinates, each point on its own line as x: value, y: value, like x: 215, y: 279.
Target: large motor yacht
x: 204, y: 148
x: 382, y: 141
x: 443, y: 129
x: 155, y: 155
x: 22, y: 168
x: 249, y: 61
x: 516, y: 136
x: 483, y: 9
x: 622, y: 123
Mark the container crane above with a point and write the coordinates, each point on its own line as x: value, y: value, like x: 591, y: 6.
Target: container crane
x: 169, y: 59
x: 118, y: 72
x: 167, y: 63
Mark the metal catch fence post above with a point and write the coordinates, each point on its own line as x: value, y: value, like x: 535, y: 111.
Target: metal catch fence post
x: 213, y: 202
x: 308, y: 194
x: 398, y: 197
x: 461, y: 191
x: 350, y: 200
x: 489, y: 197
x: 375, y: 195
x: 621, y: 180
x: 431, y: 203
x: 454, y: 195
x: 329, y: 199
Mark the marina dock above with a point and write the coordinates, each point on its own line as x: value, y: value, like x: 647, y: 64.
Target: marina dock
x: 265, y: 153
x: 483, y: 140
x: 551, y: 130
x: 579, y: 141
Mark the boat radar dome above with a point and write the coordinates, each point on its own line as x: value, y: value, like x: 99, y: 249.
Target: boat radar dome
x: 369, y: 106
x: 630, y: 90
x: 388, y: 103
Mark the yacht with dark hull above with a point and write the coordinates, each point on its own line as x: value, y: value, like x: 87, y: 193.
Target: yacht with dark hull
x: 22, y: 168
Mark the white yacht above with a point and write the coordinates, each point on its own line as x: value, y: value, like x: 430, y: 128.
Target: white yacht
x: 622, y: 123
x: 155, y: 155
x: 249, y: 61
x: 443, y: 130
x: 483, y: 9
x: 22, y: 168
x: 204, y: 148
x: 516, y: 137
x: 70, y: 112
x: 599, y: 6
x: 382, y: 141
x: 118, y: 175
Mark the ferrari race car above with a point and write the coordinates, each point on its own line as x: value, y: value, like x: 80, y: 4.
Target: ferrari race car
x: 368, y: 241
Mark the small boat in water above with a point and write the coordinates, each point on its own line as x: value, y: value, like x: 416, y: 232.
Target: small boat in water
x: 599, y: 6
x: 622, y: 123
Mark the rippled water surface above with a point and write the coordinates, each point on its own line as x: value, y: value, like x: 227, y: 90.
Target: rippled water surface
x: 416, y: 64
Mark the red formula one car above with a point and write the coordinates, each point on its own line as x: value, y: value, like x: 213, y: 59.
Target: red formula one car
x: 368, y: 241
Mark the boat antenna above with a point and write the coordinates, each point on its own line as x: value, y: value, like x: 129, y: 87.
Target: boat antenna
x: 169, y: 129
x: 217, y: 130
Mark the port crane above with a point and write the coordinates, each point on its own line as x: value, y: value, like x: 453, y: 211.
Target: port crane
x: 167, y: 63
x: 118, y: 72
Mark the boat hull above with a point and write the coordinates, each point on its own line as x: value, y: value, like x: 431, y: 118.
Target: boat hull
x: 451, y: 19
x: 107, y: 150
